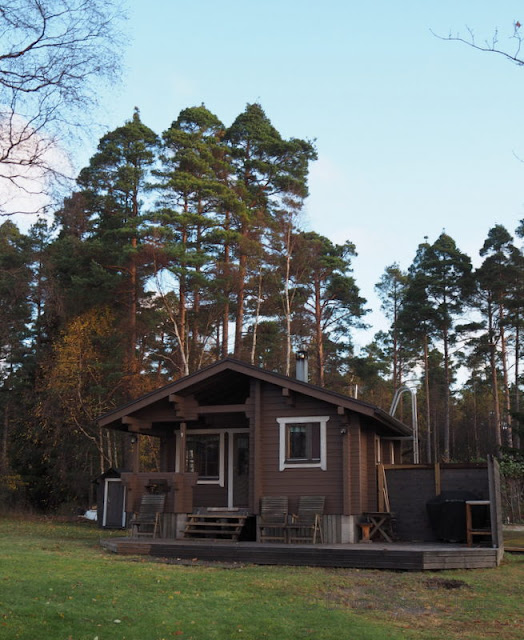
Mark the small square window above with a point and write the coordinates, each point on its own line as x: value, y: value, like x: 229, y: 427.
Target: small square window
x: 303, y: 442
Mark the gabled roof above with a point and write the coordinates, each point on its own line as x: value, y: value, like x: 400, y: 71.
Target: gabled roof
x: 195, y: 380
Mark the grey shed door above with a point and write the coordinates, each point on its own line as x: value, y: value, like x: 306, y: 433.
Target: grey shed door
x: 114, y: 504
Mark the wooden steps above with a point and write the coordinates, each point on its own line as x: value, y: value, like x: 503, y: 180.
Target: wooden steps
x: 223, y: 525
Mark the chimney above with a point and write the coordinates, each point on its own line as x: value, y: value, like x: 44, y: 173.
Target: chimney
x: 302, y: 368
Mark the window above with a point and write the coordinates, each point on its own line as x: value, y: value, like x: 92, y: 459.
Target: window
x: 303, y: 442
x: 203, y: 455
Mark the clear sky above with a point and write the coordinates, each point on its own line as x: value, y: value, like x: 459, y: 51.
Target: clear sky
x: 414, y: 134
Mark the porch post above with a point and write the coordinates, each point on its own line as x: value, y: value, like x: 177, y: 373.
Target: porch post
x: 182, y: 452
x: 355, y: 466
x: 346, y: 469
x: 256, y: 438
x: 135, y: 453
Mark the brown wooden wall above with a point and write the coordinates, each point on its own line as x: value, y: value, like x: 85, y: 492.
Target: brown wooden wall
x: 296, y: 482
x: 350, y: 479
x: 349, y: 482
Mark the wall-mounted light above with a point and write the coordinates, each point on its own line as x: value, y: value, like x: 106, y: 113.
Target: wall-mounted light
x: 343, y: 431
x: 134, y: 439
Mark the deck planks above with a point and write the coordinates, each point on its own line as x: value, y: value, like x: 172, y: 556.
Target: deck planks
x: 355, y: 556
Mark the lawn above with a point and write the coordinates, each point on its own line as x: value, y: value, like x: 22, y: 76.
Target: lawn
x: 58, y: 584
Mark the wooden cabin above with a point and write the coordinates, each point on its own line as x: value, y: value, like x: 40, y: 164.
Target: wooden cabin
x: 233, y: 433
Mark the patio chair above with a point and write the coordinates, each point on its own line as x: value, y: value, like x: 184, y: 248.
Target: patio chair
x: 146, y: 523
x: 306, y: 524
x: 273, y: 518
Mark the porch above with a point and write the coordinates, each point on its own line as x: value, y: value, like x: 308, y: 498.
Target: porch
x: 394, y: 556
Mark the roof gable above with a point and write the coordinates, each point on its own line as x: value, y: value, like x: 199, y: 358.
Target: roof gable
x: 232, y: 378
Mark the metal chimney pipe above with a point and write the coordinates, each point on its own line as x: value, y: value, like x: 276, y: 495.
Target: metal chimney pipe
x: 302, y: 365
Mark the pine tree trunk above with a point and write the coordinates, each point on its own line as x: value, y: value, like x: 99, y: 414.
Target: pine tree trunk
x: 227, y: 275
x: 516, y: 437
x: 494, y: 380
x: 505, y: 378
x: 287, y: 308
x: 4, y: 457
x: 446, y: 453
x: 241, y: 292
x: 319, y: 335
x: 257, y: 318
x: 431, y: 432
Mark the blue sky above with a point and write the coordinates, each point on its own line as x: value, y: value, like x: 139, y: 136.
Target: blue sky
x: 414, y: 134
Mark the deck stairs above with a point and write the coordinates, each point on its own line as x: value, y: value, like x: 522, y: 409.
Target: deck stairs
x: 215, y: 524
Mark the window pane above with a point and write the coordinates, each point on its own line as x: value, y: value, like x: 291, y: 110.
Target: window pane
x: 297, y: 442
x: 303, y: 441
x: 202, y: 455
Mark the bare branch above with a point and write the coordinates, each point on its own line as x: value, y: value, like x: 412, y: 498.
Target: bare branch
x: 491, y: 46
x: 53, y: 56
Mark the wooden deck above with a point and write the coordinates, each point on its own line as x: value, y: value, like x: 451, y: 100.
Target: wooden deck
x: 396, y: 556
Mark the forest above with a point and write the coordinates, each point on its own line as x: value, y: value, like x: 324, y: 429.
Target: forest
x: 177, y: 249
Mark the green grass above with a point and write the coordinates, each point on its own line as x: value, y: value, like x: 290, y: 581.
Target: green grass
x: 56, y: 583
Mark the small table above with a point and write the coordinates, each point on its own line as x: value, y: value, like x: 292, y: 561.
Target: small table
x: 470, y: 531
x: 379, y: 521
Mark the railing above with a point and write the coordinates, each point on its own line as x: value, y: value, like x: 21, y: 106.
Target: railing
x: 178, y: 488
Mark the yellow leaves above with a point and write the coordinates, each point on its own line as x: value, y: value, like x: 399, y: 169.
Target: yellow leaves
x: 11, y: 482
x: 75, y: 379
x: 81, y: 346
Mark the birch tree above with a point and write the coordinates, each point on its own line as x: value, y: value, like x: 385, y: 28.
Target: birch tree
x: 53, y: 56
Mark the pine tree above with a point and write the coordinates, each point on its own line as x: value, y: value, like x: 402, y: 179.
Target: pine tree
x: 268, y: 170
x: 391, y: 290
x: 114, y: 187
x: 192, y: 183
x: 499, y: 280
x: 439, y: 285
x: 333, y: 302
x: 15, y: 318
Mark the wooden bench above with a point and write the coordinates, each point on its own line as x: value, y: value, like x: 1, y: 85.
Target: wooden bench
x: 306, y: 524
x: 273, y: 519
x: 147, y: 522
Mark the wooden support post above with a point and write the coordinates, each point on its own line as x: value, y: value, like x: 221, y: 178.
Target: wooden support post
x: 182, y: 452
x: 438, y: 486
x: 380, y: 480
x: 256, y: 439
x: 135, y: 462
x: 354, y: 466
x: 346, y: 480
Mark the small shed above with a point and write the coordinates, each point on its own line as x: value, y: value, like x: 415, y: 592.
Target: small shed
x: 111, y: 500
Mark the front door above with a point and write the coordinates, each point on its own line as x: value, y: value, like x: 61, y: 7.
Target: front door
x: 221, y: 459
x: 239, y: 461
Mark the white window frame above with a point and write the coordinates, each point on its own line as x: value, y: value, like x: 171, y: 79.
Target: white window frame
x: 322, y: 463
x: 221, y: 469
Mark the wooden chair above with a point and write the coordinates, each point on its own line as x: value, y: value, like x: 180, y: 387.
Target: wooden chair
x: 273, y: 518
x: 146, y: 523
x: 306, y: 524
